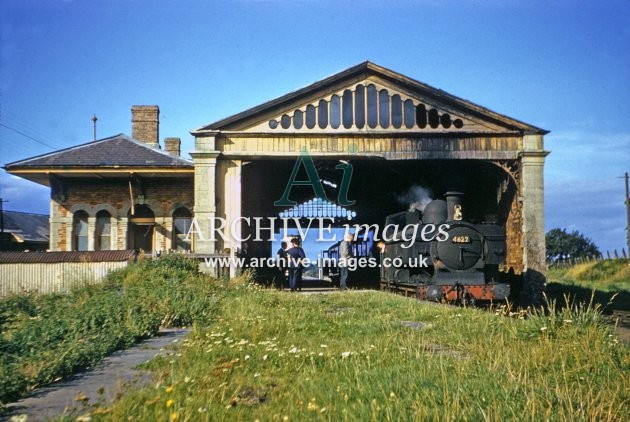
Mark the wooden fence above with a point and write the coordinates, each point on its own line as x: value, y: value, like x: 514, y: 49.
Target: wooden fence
x: 571, y: 261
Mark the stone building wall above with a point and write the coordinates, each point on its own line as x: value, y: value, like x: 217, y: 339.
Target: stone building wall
x: 162, y: 196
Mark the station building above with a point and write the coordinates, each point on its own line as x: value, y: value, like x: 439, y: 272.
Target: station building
x: 131, y: 192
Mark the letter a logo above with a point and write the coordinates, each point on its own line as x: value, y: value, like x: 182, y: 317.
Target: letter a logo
x: 313, y: 180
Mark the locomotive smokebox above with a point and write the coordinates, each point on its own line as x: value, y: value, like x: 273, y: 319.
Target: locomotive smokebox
x: 454, y: 206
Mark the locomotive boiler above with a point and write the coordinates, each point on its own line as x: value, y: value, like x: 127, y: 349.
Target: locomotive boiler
x: 462, y: 265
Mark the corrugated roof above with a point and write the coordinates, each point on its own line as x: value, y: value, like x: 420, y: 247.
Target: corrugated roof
x: 54, y: 257
x: 27, y: 226
x: 119, y: 150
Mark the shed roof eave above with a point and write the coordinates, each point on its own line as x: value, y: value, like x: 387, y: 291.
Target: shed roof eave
x: 369, y: 68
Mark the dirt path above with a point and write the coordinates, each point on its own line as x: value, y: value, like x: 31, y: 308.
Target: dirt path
x: 101, y: 384
x: 621, y: 321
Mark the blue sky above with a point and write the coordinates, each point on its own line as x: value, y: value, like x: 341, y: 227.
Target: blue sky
x: 560, y: 65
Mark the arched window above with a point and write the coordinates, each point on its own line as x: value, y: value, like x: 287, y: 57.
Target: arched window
x: 397, y: 111
x: 322, y: 114
x: 372, y: 107
x: 80, y: 231
x: 335, y: 111
x: 383, y: 108
x: 359, y: 106
x: 102, y: 237
x: 182, y: 219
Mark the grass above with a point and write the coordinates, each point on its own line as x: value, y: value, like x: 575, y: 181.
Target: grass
x: 605, y: 282
x: 48, y: 337
x: 605, y: 275
x: 376, y: 356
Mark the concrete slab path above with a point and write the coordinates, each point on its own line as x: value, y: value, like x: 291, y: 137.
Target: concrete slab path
x: 101, y: 384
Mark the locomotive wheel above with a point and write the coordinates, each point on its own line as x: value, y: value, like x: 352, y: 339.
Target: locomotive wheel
x: 401, y: 275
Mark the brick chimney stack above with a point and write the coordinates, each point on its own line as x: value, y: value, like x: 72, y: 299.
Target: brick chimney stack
x: 145, y: 124
x: 172, y: 146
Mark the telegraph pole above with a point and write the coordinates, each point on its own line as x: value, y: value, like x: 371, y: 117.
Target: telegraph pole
x: 627, y: 217
x: 2, y: 240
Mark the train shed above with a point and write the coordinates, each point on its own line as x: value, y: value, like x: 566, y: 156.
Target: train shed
x: 399, y: 136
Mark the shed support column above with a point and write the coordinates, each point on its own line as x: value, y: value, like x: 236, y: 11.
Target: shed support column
x: 113, y: 233
x: 532, y: 191
x: 69, y: 233
x: 232, y: 207
x: 205, y: 162
x: 55, y: 221
x: 123, y: 233
x: 160, y: 235
x: 168, y: 234
x: 91, y: 233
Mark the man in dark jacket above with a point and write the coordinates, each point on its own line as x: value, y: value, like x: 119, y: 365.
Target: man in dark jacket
x: 281, y: 266
x: 345, y: 253
x: 295, y: 255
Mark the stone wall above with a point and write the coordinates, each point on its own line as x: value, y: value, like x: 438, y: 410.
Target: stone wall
x: 162, y: 196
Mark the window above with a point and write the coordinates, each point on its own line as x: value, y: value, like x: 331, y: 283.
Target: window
x: 410, y: 114
x: 335, y: 111
x: 285, y: 121
x: 434, y: 118
x: 397, y: 113
x: 383, y: 111
x: 421, y: 116
x: 322, y: 114
x: 80, y: 231
x: 347, y: 109
x: 359, y: 106
x: 298, y: 119
x: 182, y: 220
x: 102, y: 238
x: 372, y: 108
x: 310, y: 116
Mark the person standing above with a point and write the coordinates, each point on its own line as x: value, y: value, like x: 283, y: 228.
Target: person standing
x: 281, y: 266
x: 345, y: 254
x: 295, y: 255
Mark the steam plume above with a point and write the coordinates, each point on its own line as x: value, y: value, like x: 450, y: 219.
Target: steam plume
x: 417, y: 197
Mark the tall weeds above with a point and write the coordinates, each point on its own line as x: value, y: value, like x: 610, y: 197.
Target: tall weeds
x: 45, y: 338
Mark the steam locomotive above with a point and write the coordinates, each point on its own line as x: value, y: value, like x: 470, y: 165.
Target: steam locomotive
x: 462, y: 266
x: 461, y: 263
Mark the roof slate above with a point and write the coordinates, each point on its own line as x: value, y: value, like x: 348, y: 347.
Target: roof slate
x: 29, y: 227
x: 119, y: 150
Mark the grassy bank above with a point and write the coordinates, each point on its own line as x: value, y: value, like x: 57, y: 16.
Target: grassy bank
x: 377, y: 356
x: 45, y: 338
x: 606, y: 275
x: 605, y: 282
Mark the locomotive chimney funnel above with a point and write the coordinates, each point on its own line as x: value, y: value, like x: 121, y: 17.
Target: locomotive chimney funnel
x: 454, y: 206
